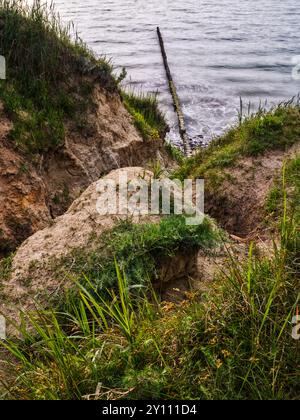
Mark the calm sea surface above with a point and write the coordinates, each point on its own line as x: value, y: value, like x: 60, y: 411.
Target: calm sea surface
x: 218, y: 51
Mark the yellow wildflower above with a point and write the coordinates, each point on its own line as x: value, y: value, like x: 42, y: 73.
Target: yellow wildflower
x: 226, y: 353
x: 219, y: 363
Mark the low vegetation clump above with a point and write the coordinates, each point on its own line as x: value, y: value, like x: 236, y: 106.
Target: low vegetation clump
x: 5, y: 268
x: 256, y: 134
x: 275, y: 196
x: 140, y: 250
x: 147, y: 117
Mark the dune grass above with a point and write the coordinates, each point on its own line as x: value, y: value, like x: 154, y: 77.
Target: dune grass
x: 292, y: 178
x: 112, y: 337
x: 5, y: 268
x: 140, y: 250
x: 174, y: 152
x: 232, y: 343
x: 278, y: 128
x: 5, y: 265
x: 147, y: 117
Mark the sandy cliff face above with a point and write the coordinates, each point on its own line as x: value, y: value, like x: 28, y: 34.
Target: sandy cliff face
x: 33, y: 191
x: 23, y: 208
x: 78, y: 228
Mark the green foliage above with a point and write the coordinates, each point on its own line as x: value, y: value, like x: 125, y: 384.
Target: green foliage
x: 233, y: 343
x: 39, y: 131
x: 46, y: 74
x: 73, y: 346
x: 264, y: 132
x: 147, y: 117
x: 119, y: 307
x: 139, y: 250
x: 5, y: 268
x: 4, y: 243
x: 293, y: 187
x: 156, y: 168
x: 112, y: 338
x: 278, y: 128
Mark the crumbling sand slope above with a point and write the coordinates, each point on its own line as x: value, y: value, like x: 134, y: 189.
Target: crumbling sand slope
x: 34, y: 190
x: 23, y: 208
x: 32, y: 269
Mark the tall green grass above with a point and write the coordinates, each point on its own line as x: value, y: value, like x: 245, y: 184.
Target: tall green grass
x: 47, y: 69
x: 147, y: 117
x: 75, y: 342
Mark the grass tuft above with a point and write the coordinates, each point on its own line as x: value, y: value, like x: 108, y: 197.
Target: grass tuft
x: 140, y: 250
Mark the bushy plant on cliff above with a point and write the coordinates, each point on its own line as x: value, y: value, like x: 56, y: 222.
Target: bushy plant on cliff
x: 46, y: 69
x: 233, y: 343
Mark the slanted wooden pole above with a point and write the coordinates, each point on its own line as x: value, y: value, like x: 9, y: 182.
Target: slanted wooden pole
x: 175, y: 97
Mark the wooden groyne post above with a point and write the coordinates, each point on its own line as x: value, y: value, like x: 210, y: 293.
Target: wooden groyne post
x: 175, y: 97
